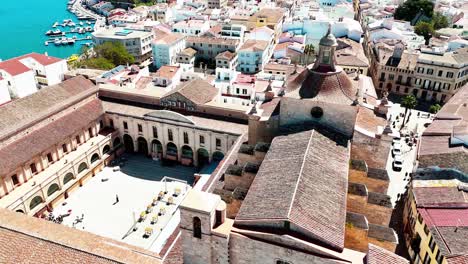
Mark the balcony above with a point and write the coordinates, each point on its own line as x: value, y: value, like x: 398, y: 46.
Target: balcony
x: 42, y: 79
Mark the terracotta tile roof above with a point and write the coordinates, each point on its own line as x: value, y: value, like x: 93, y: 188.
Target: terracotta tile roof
x: 254, y: 45
x: 309, y: 171
x: 333, y: 87
x: 30, y: 109
x: 188, y: 52
x: 25, y: 239
x: 378, y: 255
x: 168, y: 39
x: 433, y: 196
x: 15, y: 67
x: 43, y: 138
x: 451, y: 241
x: 445, y: 216
x: 273, y: 15
x: 350, y: 53
x: 227, y: 55
x: 167, y: 72
x: 197, y: 91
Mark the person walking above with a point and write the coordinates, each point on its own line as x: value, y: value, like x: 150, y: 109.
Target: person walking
x: 116, y: 198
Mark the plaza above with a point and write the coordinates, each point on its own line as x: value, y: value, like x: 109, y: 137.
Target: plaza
x: 111, y: 204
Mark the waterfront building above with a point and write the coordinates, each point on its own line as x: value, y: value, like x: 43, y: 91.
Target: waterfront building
x: 136, y: 42
x: 166, y: 47
x: 26, y: 74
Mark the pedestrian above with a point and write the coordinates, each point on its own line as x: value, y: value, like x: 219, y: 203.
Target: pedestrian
x: 116, y: 198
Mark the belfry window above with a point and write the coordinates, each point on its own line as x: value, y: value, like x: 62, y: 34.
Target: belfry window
x: 197, y: 227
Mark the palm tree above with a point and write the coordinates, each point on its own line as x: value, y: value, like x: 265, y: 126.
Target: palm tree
x: 409, y: 102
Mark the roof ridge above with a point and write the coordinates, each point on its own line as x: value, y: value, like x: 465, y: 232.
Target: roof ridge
x: 300, y: 172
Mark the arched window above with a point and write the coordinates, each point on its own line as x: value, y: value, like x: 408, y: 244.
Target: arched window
x: 94, y: 158
x: 196, y: 227
x: 52, y: 189
x: 105, y: 149
x: 35, y: 202
x: 82, y: 167
x: 186, y: 139
x: 67, y: 178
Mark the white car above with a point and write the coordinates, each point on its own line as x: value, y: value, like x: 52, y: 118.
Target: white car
x: 396, y: 152
x: 397, y: 163
x: 396, y: 140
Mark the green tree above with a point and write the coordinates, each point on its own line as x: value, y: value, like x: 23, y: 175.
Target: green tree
x: 409, y: 9
x: 114, y: 52
x: 409, y: 102
x: 96, y: 63
x: 434, y: 108
x: 424, y: 29
x: 439, y: 21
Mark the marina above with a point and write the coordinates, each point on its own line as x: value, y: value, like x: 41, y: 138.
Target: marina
x: 49, y: 20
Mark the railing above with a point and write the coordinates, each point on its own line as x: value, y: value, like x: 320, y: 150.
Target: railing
x: 42, y: 80
x: 56, y: 175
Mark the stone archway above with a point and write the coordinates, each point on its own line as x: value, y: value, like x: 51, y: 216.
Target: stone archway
x: 116, y: 142
x: 203, y: 157
x: 83, y: 166
x: 106, y: 149
x: 52, y: 189
x: 128, y: 143
x: 142, y: 146
x: 68, y: 177
x: 217, y: 156
x: 171, y: 151
x: 186, y: 157
x: 94, y: 157
x: 35, y: 202
x: 156, y: 147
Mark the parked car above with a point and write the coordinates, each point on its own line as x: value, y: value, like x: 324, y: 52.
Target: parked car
x: 396, y: 152
x: 396, y: 140
x: 397, y: 163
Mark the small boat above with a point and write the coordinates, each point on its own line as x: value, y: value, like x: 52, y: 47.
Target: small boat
x: 72, y: 58
x: 57, y: 42
x: 88, y: 22
x: 75, y: 37
x: 54, y: 33
x: 55, y: 24
x: 81, y: 23
x: 71, y: 24
x: 89, y: 29
x: 70, y: 41
x: 66, y: 21
x: 89, y: 37
x: 73, y: 30
x: 46, y: 43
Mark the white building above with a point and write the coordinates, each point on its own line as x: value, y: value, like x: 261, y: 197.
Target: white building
x: 166, y: 48
x: 4, y: 93
x: 26, y: 74
x: 167, y: 77
x: 137, y: 43
x: 191, y: 27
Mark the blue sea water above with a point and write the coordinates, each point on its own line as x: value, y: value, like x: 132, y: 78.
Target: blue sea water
x: 23, y: 25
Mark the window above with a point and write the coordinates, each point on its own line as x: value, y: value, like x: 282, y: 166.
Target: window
x: 140, y: 128
x: 391, y: 77
x: 440, y: 73
x: 186, y: 140
x: 399, y: 78
x: 218, y: 143
x: 202, y: 140
x: 426, y: 230
x: 449, y: 75
x: 197, y: 227
x: 244, y: 91
x: 169, y: 135
x: 49, y: 157
x: 430, y: 71
x: 90, y: 132
x: 125, y: 125
x: 432, y: 244
x: 382, y: 76
x: 420, y: 219
x: 439, y: 257
x: 111, y: 123
x: 14, y: 179
x: 64, y: 148
x: 78, y: 141
x: 427, y: 259
x: 33, y: 168
x: 155, y: 132
x: 280, y: 261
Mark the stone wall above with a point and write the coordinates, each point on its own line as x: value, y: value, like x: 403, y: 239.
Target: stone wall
x: 373, y: 185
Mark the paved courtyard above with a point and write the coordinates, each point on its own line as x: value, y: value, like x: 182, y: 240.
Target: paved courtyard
x: 139, y: 181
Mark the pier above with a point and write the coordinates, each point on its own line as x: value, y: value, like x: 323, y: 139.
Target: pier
x: 79, y: 8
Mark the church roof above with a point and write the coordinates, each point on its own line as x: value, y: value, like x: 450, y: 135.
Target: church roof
x: 332, y: 87
x: 197, y: 91
x: 302, y: 180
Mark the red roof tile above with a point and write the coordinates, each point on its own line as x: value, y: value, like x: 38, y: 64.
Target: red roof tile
x: 15, y: 67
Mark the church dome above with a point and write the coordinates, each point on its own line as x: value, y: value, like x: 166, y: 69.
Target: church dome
x: 334, y: 87
x: 328, y: 40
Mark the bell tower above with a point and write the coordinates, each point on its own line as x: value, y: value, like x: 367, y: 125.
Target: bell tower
x: 326, y: 56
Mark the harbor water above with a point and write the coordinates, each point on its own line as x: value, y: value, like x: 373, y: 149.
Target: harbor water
x: 23, y: 26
